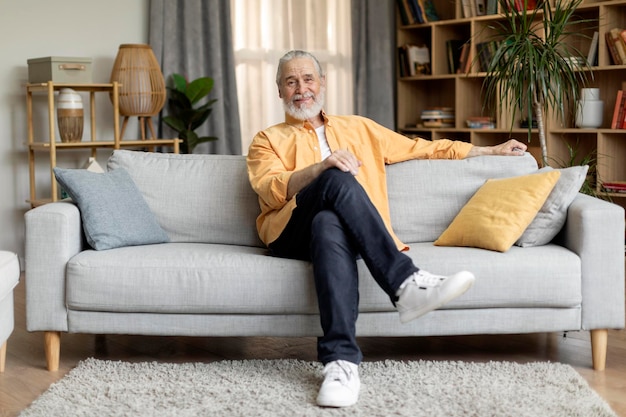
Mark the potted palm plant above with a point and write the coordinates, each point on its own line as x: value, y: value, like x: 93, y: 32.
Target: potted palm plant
x: 535, y: 68
x: 185, y: 112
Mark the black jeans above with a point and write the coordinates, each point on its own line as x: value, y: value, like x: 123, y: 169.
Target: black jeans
x: 333, y: 224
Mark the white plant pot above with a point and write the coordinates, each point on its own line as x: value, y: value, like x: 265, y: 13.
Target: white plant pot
x: 589, y: 109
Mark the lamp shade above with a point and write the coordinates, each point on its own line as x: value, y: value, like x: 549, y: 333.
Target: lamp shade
x: 142, y: 86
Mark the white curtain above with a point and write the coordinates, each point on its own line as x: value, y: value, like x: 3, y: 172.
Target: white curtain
x: 264, y: 30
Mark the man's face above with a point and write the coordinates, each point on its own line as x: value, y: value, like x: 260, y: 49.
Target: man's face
x: 301, y: 89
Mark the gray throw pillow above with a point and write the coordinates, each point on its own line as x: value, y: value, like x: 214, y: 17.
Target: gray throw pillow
x: 551, y: 217
x: 113, y: 211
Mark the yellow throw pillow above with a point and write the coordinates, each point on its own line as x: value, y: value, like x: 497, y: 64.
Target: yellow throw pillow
x: 497, y: 215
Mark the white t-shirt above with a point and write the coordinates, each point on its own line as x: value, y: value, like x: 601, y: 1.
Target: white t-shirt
x: 321, y: 136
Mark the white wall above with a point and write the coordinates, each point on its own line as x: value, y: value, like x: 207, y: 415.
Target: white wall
x: 40, y: 28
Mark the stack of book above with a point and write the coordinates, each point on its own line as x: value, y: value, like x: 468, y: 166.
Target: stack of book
x: 437, y: 117
x: 614, y: 187
x: 480, y: 122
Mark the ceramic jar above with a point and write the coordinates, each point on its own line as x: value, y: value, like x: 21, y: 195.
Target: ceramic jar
x: 589, y: 109
x: 70, y: 115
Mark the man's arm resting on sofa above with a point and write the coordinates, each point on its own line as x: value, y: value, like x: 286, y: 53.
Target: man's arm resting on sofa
x: 53, y: 235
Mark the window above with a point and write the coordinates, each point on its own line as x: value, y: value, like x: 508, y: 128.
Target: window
x: 264, y: 30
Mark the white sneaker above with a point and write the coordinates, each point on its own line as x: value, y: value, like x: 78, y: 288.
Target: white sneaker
x: 423, y: 292
x: 341, y: 384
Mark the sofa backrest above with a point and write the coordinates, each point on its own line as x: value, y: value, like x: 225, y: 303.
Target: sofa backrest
x: 196, y: 198
x: 207, y: 198
x: 426, y: 195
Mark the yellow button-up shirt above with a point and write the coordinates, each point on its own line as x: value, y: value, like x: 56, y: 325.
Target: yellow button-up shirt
x: 278, y: 151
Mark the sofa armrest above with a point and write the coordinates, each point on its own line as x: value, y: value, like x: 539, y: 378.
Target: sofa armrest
x: 595, y: 231
x: 53, y: 236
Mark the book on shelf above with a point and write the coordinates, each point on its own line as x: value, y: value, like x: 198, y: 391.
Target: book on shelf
x: 480, y: 7
x: 466, y: 7
x: 610, y: 43
x: 618, y: 110
x: 471, y: 8
x: 486, y: 51
x: 592, y: 54
x: 417, y: 11
x: 429, y: 11
x: 409, y: 12
x: 413, y: 60
x: 616, y: 41
x: 519, y: 4
x: 418, y: 15
x: 465, y: 59
x: 492, y: 7
x: 454, y: 48
x: 405, y: 15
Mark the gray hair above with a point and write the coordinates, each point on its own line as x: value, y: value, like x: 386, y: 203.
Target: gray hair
x: 297, y: 54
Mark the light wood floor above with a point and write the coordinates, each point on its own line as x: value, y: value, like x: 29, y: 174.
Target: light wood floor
x: 25, y: 377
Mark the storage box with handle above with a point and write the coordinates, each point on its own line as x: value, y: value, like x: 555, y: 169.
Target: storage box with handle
x: 71, y: 70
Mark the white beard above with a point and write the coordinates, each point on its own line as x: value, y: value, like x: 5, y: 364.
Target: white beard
x: 304, y: 113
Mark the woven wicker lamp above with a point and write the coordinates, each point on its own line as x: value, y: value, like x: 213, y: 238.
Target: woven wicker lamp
x: 142, y: 86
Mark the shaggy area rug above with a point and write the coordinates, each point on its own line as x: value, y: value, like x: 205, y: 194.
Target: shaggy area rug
x: 289, y: 388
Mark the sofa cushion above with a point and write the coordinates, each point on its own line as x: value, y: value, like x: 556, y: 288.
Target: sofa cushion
x: 426, y: 195
x: 113, y: 212
x: 552, y: 215
x: 189, y: 278
x: 196, y: 198
x: 499, y: 212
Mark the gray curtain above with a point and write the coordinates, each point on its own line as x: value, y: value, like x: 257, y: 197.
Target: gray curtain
x: 373, y: 49
x: 193, y: 38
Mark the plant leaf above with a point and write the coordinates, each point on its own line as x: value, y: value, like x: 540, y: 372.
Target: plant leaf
x: 199, y: 88
x: 180, y: 83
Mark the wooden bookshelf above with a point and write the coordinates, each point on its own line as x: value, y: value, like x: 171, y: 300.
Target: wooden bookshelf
x: 463, y: 91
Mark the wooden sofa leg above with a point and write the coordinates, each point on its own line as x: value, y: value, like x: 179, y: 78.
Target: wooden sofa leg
x: 599, y: 345
x: 52, y: 342
x: 3, y: 356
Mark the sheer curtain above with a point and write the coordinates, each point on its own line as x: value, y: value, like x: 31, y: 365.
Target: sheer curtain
x: 263, y: 30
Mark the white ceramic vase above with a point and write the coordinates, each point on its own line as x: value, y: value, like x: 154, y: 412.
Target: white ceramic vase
x: 70, y: 115
x: 589, y: 109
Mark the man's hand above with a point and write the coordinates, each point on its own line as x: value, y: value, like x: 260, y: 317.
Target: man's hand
x: 511, y: 147
x: 343, y: 160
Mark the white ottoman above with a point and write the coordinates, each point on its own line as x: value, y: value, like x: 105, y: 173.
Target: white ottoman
x: 9, y: 277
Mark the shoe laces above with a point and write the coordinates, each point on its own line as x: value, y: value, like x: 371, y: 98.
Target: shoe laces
x: 426, y: 279
x: 341, y: 371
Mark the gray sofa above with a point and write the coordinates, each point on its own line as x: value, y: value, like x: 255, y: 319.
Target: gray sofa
x: 215, y: 278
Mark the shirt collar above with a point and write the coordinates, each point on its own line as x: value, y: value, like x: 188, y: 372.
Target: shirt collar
x: 292, y: 121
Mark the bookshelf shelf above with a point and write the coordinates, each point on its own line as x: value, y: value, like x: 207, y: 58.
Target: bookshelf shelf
x: 463, y: 91
x: 51, y: 146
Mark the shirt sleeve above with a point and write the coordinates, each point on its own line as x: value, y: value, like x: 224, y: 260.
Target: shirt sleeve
x: 400, y: 148
x: 267, y: 173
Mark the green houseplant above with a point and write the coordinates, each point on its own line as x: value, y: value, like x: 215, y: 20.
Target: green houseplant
x: 578, y: 156
x: 185, y: 115
x: 531, y: 69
